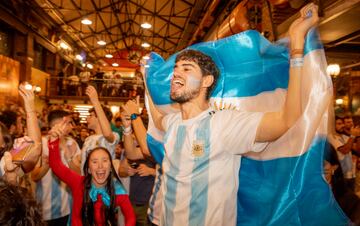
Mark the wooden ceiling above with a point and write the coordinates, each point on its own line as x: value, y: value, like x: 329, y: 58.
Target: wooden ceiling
x: 117, y: 22
x: 174, y: 22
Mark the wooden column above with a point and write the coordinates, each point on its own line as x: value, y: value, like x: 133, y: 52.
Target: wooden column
x: 24, y: 53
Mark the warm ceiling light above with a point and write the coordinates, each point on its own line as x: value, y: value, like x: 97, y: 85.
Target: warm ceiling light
x: 79, y: 57
x: 83, y: 65
x: 115, y: 64
x: 339, y: 101
x: 333, y: 69
x: 145, y: 45
x: 109, y: 55
x: 114, y: 109
x: 90, y: 66
x: 64, y: 45
x: 146, y: 57
x: 86, y: 21
x: 101, y: 42
x: 145, y: 25
x: 38, y: 89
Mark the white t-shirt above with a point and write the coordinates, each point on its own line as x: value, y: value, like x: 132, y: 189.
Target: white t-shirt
x: 348, y: 166
x: 201, y: 166
x: 98, y: 140
x: 53, y: 194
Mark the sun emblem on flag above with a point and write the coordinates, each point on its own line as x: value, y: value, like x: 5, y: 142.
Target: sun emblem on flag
x: 222, y: 105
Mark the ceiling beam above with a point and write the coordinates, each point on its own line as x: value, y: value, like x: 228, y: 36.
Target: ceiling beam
x: 155, y: 35
x: 331, y: 12
x: 113, y: 7
x: 133, y: 35
x: 155, y: 14
x: 351, y: 65
x: 188, y: 3
x: 344, y: 39
x: 102, y: 21
x: 106, y: 29
x: 89, y: 13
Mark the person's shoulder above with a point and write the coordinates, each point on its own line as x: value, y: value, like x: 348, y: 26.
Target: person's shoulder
x: 72, y: 140
x: 92, y: 138
x: 173, y: 116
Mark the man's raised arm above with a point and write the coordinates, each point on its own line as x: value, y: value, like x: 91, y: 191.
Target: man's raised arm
x: 275, y: 124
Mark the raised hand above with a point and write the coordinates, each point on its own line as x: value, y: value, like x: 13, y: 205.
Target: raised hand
x: 132, y: 106
x: 58, y: 130
x: 92, y: 94
x: 28, y: 96
x: 308, y: 18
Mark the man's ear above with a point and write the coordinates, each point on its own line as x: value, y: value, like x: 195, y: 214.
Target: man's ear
x: 208, y: 80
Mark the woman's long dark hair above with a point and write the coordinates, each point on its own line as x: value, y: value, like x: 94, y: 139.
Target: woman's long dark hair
x: 88, y: 206
x: 8, y: 142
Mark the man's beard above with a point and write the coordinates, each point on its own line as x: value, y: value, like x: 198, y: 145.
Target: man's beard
x: 185, y: 97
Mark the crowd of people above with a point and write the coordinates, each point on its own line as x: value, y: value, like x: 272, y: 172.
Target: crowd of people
x: 55, y: 159
x: 108, y: 84
x: 342, y: 165
x: 56, y: 171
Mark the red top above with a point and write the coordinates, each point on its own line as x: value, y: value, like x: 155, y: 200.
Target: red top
x: 76, y: 184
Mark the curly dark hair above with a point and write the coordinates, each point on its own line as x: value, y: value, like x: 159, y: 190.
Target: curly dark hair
x: 18, y: 207
x: 8, y: 118
x: 88, y: 206
x: 205, y: 62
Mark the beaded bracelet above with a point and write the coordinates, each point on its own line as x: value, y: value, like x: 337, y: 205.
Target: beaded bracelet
x: 296, y: 52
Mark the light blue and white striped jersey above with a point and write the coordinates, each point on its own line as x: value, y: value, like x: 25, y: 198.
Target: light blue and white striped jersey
x: 154, y: 210
x: 98, y: 140
x: 201, y: 166
x: 53, y: 194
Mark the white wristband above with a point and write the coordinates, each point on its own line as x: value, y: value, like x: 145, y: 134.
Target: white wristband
x: 127, y: 130
x: 296, y: 62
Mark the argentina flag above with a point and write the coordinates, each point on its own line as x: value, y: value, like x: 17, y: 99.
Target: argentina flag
x: 284, y: 184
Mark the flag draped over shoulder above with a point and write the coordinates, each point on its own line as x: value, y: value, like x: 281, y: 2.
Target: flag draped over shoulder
x: 283, y: 185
